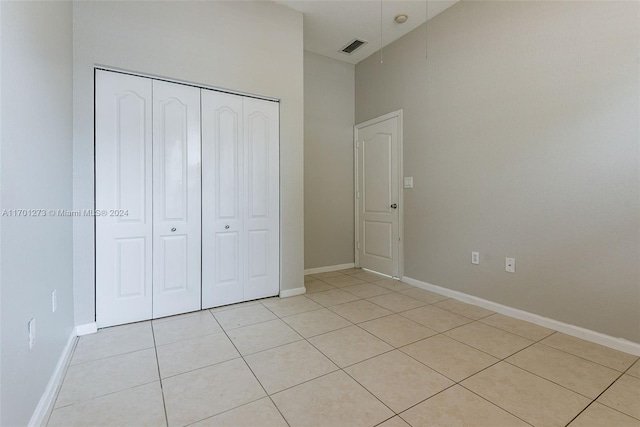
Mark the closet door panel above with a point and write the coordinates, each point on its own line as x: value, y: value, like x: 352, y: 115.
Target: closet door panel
x: 176, y: 199
x: 262, y: 219
x: 223, y: 247
x: 123, y: 182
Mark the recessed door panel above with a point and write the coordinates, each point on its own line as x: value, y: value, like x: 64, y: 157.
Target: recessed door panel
x: 377, y: 238
x: 176, y: 199
x: 376, y: 194
x: 123, y: 181
x: 223, y: 245
x: 258, y: 162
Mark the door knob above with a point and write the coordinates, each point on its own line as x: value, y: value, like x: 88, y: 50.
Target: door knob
x: 394, y: 206
x: 173, y: 229
x: 226, y: 227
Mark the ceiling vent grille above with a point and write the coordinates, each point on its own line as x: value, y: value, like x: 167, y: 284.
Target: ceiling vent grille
x: 353, y: 46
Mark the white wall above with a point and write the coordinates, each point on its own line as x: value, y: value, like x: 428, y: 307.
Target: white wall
x: 521, y: 133
x: 36, y: 173
x: 328, y: 161
x: 254, y: 47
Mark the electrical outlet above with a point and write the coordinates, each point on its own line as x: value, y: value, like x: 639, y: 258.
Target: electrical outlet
x: 510, y: 265
x: 475, y: 257
x: 32, y: 332
x: 54, y: 300
x: 408, y: 182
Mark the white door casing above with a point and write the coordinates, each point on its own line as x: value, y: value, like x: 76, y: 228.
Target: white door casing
x: 223, y: 237
x: 123, y: 171
x: 378, y: 154
x: 176, y: 199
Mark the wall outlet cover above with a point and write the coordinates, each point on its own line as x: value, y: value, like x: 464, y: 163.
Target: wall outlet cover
x: 510, y: 265
x: 475, y: 258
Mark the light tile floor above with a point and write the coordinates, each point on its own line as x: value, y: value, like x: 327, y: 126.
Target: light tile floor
x: 357, y: 350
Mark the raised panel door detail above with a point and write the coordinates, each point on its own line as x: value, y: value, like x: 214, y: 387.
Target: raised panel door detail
x: 377, y: 173
x: 123, y: 167
x: 377, y: 239
x: 258, y: 253
x: 176, y: 199
x: 173, y: 259
x: 257, y: 151
x: 223, y: 234
x: 131, y: 258
x: 131, y: 156
x: 173, y: 152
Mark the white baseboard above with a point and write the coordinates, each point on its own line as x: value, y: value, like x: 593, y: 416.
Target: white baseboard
x: 86, y: 329
x: 620, y: 344
x: 46, y: 401
x: 329, y: 268
x: 293, y: 292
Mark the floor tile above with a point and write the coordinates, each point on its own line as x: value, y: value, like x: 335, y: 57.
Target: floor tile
x: 436, y: 318
x: 199, y: 394
x: 634, y: 371
x: 261, y: 412
x: 317, y: 286
x: 398, y: 380
x: 100, y: 377
x: 289, y: 306
x: 360, y: 311
x: 138, y: 406
x: 332, y: 297
x: 327, y: 274
x: 587, y: 350
x: 351, y: 270
x: 113, y: 341
x: 494, y: 341
x: 467, y: 310
x: 393, y: 284
x: 309, y: 278
x: 580, y: 375
x: 349, y: 345
x: 195, y: 353
x: 449, y: 357
x: 397, y: 330
x: 369, y: 276
x: 527, y: 396
x: 289, y: 365
x: 316, y: 322
x: 244, y: 316
x: 624, y: 396
x: 366, y: 290
x: 262, y: 336
x: 342, y: 281
x: 239, y: 305
x: 516, y: 326
x: 597, y: 415
x: 458, y: 406
x: 396, y: 302
x: 423, y: 295
x: 332, y: 400
x: 179, y: 328
x: 394, y: 422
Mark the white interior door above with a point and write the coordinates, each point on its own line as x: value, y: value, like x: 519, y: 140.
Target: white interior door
x: 223, y: 236
x: 261, y: 197
x: 176, y: 199
x: 377, y: 194
x: 123, y: 189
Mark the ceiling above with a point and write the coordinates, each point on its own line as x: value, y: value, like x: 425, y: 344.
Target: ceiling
x: 329, y: 25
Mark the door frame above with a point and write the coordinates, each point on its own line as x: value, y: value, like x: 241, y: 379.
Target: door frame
x: 394, y: 114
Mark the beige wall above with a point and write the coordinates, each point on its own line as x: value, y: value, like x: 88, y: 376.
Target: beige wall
x: 254, y: 47
x: 328, y: 161
x: 36, y: 173
x: 521, y: 133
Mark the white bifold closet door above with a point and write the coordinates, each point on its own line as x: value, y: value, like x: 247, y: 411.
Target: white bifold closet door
x: 240, y: 198
x: 148, y: 165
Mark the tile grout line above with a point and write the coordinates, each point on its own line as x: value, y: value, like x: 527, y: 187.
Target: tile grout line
x: 155, y: 350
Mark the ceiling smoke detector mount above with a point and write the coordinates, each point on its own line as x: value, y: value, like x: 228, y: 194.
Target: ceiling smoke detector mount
x: 401, y: 18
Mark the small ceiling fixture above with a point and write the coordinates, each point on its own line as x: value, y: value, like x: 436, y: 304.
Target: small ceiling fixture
x: 401, y: 18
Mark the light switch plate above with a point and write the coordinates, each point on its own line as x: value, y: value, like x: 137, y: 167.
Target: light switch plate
x: 408, y: 182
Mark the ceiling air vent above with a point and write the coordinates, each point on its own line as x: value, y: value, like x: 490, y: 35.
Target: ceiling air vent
x: 353, y: 46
